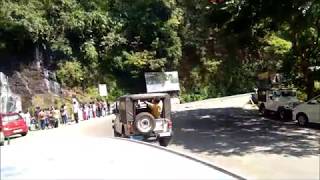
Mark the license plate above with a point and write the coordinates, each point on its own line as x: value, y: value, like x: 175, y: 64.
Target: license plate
x: 159, y: 125
x: 165, y: 134
x: 17, y: 131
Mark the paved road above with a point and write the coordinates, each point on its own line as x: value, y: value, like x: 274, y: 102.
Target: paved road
x: 99, y: 127
x: 229, y: 134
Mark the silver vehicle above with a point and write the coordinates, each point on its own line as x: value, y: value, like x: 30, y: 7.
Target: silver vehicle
x: 134, y: 118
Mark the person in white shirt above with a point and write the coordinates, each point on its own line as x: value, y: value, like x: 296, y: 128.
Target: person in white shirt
x: 90, y: 111
x: 104, y: 108
x: 86, y: 110
x: 80, y: 113
x: 94, y: 109
x: 27, y: 118
x: 75, y: 108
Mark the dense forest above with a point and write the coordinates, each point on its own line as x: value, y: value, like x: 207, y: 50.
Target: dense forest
x: 217, y: 46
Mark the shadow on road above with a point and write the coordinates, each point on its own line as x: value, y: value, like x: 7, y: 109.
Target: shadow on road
x: 235, y: 131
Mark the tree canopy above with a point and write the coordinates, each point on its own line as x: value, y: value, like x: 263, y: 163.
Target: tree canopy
x: 218, y: 47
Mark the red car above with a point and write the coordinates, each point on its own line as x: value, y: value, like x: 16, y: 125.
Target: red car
x: 13, y: 123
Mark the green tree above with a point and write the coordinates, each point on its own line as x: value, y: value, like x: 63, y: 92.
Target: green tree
x: 70, y: 73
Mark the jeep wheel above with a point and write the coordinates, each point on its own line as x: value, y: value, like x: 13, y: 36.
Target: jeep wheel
x: 144, y: 123
x: 116, y: 134
x: 282, y: 114
x: 263, y: 110
x: 164, y: 141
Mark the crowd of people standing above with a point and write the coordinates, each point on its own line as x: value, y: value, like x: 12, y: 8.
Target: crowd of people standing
x: 90, y: 110
x: 46, y: 118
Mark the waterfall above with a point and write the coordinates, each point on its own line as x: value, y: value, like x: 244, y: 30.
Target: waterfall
x: 9, y: 102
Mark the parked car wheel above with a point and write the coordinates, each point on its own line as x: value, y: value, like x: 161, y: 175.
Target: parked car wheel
x: 302, y: 120
x: 164, y: 141
x: 145, y: 123
x: 24, y: 134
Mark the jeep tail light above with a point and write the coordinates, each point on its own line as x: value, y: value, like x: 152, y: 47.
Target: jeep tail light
x: 169, y: 124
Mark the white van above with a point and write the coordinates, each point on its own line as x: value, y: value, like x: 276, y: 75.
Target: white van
x: 307, y: 112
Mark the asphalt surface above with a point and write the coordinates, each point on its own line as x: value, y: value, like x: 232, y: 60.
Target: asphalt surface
x: 229, y: 134
x: 232, y: 134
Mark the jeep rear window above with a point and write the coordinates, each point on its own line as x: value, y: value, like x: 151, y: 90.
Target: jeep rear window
x: 9, y: 118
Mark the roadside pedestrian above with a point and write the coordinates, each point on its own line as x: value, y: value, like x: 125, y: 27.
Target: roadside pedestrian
x: 98, y: 109
x: 94, y: 109
x: 27, y: 118
x: 63, y: 113
x: 42, y: 119
x: 108, y: 107
x: 48, y: 117
x: 90, y: 111
x: 86, y: 111
x: 99, y: 104
x: 104, y: 108
x: 75, y: 108
x: 34, y: 124
x: 55, y: 115
x: 37, y: 118
x: 80, y: 113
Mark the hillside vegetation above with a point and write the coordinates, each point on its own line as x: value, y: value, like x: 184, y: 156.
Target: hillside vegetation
x: 217, y: 47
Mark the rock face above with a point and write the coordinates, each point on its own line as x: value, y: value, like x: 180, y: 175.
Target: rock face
x: 29, y: 80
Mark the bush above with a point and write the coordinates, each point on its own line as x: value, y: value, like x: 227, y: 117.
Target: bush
x: 70, y: 73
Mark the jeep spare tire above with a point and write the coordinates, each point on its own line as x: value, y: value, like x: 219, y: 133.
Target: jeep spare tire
x: 145, y: 122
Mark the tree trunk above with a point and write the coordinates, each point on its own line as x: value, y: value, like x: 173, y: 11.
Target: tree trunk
x: 310, y: 84
x: 308, y: 79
